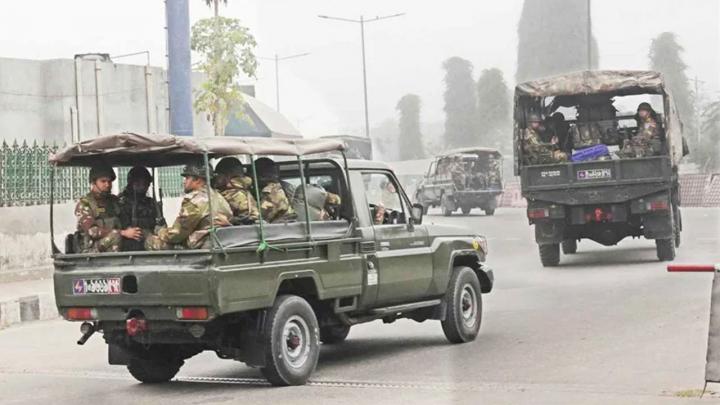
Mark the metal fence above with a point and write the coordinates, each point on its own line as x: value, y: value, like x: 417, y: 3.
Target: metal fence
x: 25, y: 176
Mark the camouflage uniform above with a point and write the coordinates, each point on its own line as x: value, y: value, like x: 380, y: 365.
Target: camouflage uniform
x: 143, y: 217
x: 457, y: 173
x: 238, y: 195
x: 538, y: 152
x: 98, y: 223
x: 191, y: 227
x: 274, y: 204
x: 645, y: 143
x: 320, y: 203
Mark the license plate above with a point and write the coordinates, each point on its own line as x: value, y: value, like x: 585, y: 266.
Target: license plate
x: 103, y: 286
x: 593, y: 174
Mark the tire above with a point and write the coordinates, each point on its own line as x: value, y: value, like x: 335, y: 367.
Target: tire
x: 334, y: 334
x: 154, y: 371
x: 463, y: 313
x: 292, y: 341
x: 447, y: 206
x: 569, y: 246
x: 550, y: 255
x: 466, y: 210
x: 665, y: 249
x: 490, y: 212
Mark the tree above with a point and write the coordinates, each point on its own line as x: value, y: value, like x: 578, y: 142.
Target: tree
x: 460, y: 103
x: 215, y: 5
x: 411, y: 145
x: 707, y: 153
x: 226, y: 48
x: 666, y: 57
x: 494, y: 109
x: 552, y: 39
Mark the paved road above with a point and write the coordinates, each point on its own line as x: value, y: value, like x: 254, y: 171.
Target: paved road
x: 608, y: 326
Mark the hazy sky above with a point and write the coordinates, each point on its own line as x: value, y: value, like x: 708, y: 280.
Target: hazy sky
x: 322, y: 92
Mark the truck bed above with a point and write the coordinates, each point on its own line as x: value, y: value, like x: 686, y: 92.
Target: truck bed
x: 607, y: 181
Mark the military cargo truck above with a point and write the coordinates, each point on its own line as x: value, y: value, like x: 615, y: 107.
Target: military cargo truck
x: 599, y: 196
x: 268, y: 294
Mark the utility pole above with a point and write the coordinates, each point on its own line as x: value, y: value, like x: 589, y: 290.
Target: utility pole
x: 362, y: 21
x: 277, y: 60
x: 589, y: 34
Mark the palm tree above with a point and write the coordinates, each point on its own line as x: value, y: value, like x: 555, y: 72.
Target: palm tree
x: 215, y: 5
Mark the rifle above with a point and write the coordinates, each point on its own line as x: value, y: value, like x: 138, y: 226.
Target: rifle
x: 159, y: 216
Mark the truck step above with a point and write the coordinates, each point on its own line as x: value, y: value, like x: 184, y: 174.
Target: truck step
x: 405, y: 307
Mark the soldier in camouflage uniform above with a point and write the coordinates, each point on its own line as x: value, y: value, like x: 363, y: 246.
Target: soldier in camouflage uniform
x: 99, y: 228
x: 235, y: 186
x: 536, y: 151
x: 136, y: 208
x: 322, y: 204
x: 457, y: 172
x: 647, y: 140
x: 192, y: 225
x: 274, y: 204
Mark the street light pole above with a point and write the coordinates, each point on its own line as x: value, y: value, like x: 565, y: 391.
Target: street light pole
x: 362, y: 21
x: 589, y: 34
x: 277, y: 60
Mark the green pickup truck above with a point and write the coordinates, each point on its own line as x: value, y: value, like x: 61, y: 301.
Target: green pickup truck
x: 268, y: 294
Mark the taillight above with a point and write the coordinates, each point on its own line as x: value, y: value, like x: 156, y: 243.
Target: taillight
x: 661, y: 205
x: 192, y: 313
x: 538, y: 213
x: 81, y: 314
x: 135, y: 326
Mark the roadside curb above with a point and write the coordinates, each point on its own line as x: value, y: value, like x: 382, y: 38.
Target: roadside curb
x: 38, y: 307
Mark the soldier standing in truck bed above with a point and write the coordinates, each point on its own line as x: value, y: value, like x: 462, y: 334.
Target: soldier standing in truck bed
x: 136, y: 208
x: 647, y: 140
x: 98, y: 224
x: 535, y: 151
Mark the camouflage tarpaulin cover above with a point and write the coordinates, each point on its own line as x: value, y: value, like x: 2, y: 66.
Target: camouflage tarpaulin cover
x: 128, y: 149
x: 712, y: 367
x: 620, y: 82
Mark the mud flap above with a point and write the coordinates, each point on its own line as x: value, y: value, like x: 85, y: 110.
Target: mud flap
x: 547, y: 232
x: 658, y: 227
x: 117, y: 355
x: 712, y: 367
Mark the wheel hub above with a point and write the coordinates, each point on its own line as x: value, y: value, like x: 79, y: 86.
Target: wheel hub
x: 468, y: 306
x: 296, y: 341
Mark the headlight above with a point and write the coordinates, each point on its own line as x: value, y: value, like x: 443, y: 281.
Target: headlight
x: 480, y: 243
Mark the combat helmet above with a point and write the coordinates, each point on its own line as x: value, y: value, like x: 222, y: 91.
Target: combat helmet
x: 101, y: 170
x: 196, y: 169
x: 645, y: 106
x: 229, y: 166
x: 139, y: 172
x: 534, y: 117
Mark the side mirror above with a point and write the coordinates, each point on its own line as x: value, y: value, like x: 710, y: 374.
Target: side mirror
x: 417, y: 213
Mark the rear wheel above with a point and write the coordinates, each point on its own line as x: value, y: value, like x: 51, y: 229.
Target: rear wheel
x: 550, y: 254
x: 569, y: 246
x: 665, y: 249
x: 677, y: 227
x: 463, y: 306
x: 334, y: 334
x: 292, y: 341
x: 466, y: 210
x: 154, y: 370
x: 490, y: 211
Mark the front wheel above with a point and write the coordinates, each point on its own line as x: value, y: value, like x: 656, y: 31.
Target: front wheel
x: 447, y: 206
x: 665, y: 249
x: 154, y: 371
x: 292, y: 341
x: 466, y: 210
x: 550, y: 254
x: 463, y: 313
x: 490, y: 211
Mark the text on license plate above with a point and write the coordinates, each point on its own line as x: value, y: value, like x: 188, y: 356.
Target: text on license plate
x: 594, y: 174
x: 84, y: 286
